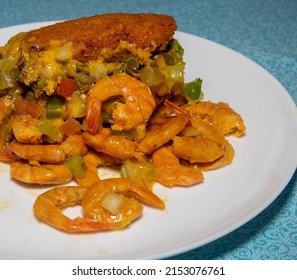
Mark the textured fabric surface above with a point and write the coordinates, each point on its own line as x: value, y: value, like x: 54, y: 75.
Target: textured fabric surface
x: 266, y: 32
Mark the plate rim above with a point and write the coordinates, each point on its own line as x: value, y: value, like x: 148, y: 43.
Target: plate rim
x: 289, y: 176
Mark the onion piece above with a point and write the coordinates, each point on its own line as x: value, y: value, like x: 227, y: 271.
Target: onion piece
x: 113, y: 203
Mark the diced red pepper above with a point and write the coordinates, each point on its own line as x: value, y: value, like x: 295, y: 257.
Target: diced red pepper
x: 66, y: 87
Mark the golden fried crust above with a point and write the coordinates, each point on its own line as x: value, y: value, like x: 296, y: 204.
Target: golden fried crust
x: 150, y: 31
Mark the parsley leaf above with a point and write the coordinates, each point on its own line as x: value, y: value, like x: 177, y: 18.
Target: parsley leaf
x: 193, y: 91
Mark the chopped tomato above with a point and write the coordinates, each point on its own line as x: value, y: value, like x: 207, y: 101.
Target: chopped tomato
x: 76, y: 165
x: 55, y: 107
x: 66, y: 87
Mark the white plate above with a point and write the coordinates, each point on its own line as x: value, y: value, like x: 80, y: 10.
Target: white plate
x: 228, y: 198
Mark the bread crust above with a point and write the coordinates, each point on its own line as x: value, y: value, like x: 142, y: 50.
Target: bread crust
x: 146, y: 31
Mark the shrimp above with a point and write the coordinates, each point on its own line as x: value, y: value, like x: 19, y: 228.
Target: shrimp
x: 139, y: 103
x: 128, y: 188
x: 129, y: 208
x: 6, y: 153
x: 170, y: 172
x: 199, y: 141
x: 169, y: 121
x: 222, y: 161
x: 91, y: 162
x: 74, y: 145
x: 6, y: 108
x: 91, y: 177
x: 43, y: 174
x: 203, y: 129
x: 47, y: 207
x: 44, y: 153
x: 219, y: 114
x: 95, y: 159
x: 115, y: 146
x: 196, y: 149
x: 163, y: 134
x: 25, y: 129
x: 52, y: 153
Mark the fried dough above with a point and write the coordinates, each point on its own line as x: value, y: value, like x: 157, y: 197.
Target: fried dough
x: 146, y: 31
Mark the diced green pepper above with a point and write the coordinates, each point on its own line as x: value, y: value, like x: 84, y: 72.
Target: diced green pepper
x: 47, y: 128
x: 76, y: 165
x: 140, y: 172
x: 131, y: 62
x: 176, y: 72
x: 41, y: 83
x: 55, y: 107
x: 151, y: 76
x: 6, y: 80
x: 108, y: 108
x: 175, y: 53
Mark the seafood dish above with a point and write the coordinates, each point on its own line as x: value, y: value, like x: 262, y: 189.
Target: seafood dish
x: 107, y: 91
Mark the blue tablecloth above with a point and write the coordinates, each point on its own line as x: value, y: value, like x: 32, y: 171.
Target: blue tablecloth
x: 266, y: 32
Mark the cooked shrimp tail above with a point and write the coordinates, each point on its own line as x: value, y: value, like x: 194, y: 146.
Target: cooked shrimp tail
x: 145, y: 195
